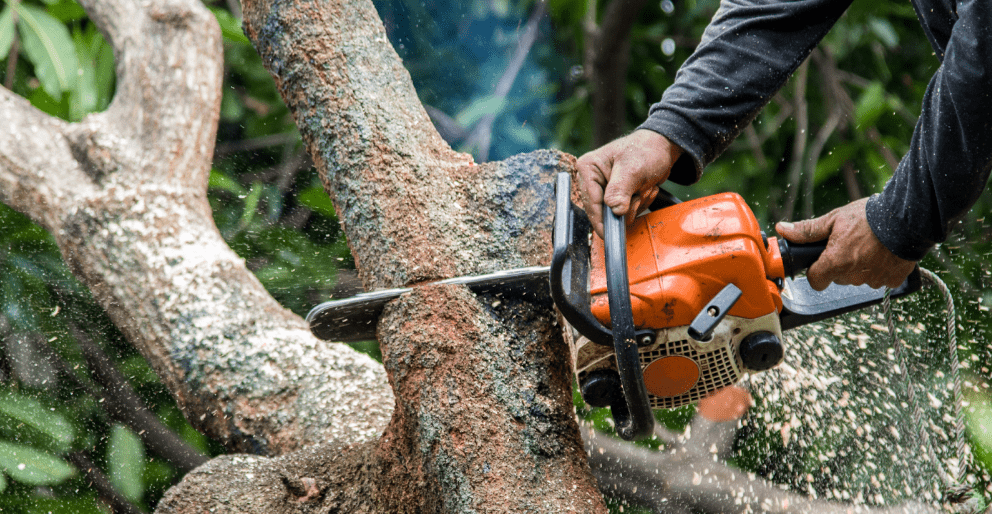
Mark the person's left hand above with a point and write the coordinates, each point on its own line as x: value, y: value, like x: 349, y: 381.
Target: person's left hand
x: 853, y: 256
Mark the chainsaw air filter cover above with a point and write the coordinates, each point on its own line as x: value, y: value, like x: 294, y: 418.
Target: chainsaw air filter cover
x: 681, y: 259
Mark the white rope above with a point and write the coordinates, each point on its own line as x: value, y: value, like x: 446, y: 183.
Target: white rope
x: 956, y: 490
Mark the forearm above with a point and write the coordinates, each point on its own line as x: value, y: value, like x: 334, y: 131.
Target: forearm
x: 948, y: 164
x: 748, y: 52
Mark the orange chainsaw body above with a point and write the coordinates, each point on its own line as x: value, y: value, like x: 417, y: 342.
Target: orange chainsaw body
x: 680, y: 257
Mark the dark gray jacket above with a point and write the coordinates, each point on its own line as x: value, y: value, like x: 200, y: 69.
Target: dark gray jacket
x: 752, y: 47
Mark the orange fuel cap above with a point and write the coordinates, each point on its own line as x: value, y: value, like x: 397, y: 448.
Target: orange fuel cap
x: 671, y: 376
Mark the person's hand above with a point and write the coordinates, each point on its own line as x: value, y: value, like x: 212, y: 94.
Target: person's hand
x: 853, y: 256
x: 625, y: 174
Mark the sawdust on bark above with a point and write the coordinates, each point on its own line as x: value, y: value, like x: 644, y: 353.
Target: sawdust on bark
x: 484, y: 418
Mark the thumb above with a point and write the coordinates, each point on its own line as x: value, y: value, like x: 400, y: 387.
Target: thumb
x: 620, y: 190
x: 806, y: 231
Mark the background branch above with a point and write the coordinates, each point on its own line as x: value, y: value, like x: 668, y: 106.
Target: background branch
x: 100, y: 482
x: 799, y: 141
x: 607, y: 59
x: 124, y: 406
x: 480, y: 137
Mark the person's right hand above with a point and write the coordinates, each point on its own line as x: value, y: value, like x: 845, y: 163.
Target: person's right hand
x: 625, y: 174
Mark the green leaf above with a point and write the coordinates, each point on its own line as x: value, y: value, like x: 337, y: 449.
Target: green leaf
x: 84, y: 98
x: 33, y: 413
x: 870, y: 106
x: 520, y: 133
x: 231, y: 108
x: 830, y: 164
x: 126, y: 462
x: 883, y: 29
x: 3, y: 482
x: 44, y: 102
x: 65, y: 10
x: 223, y: 182
x: 6, y: 31
x: 479, y: 108
x: 95, y: 83
x: 30, y: 466
x: 48, y: 45
x: 83, y: 503
x: 251, y: 204
x: 878, y: 170
x: 230, y: 27
x: 315, y: 199
x: 106, y: 74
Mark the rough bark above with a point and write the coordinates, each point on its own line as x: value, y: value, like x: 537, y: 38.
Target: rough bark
x: 124, y: 194
x: 484, y: 416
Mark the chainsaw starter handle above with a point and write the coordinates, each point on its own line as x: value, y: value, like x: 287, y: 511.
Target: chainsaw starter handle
x: 797, y: 257
x: 638, y: 421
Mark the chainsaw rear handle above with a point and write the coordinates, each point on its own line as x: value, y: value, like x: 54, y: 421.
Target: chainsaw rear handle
x: 797, y: 257
x: 624, y: 392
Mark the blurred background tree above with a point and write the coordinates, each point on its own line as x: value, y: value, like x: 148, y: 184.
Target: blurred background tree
x: 84, y: 423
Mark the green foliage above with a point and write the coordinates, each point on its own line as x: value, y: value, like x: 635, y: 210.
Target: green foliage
x: 6, y: 31
x: 30, y: 466
x: 25, y: 418
x: 870, y: 106
x: 126, y: 460
x: 457, y: 52
x: 48, y: 45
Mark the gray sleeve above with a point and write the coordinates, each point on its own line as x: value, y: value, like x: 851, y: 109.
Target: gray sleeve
x: 747, y: 53
x: 950, y: 157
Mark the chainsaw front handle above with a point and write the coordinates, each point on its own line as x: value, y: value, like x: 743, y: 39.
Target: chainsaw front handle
x: 638, y: 422
x: 626, y: 393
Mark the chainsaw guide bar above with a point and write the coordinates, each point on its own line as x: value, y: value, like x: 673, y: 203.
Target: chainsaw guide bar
x: 354, y: 319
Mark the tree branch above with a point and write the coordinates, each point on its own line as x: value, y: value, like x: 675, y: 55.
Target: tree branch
x: 124, y: 405
x: 245, y: 145
x: 481, y: 135
x: 851, y: 181
x: 124, y: 194
x: 38, y: 175
x: 165, y: 50
x: 14, y: 50
x: 103, y: 487
x: 607, y: 60
x: 799, y: 142
x: 117, y: 404
x: 366, y: 130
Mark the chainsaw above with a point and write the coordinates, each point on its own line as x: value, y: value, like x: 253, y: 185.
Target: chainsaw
x: 677, y: 306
